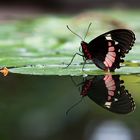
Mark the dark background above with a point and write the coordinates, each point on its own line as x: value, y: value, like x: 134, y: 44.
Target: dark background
x: 69, y: 5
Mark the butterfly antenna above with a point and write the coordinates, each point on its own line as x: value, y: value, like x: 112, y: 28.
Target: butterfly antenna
x: 73, y: 106
x: 87, y: 30
x: 74, y: 33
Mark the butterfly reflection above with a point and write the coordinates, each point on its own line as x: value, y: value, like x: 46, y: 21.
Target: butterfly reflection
x: 109, y: 92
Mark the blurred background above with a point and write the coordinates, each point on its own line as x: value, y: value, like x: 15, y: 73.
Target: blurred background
x: 33, y: 7
x: 34, y: 107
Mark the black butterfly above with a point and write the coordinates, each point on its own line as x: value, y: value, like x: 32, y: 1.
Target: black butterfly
x: 109, y: 92
x: 107, y: 50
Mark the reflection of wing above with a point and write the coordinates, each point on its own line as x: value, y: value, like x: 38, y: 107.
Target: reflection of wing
x: 109, y: 92
x: 108, y: 48
x: 122, y: 103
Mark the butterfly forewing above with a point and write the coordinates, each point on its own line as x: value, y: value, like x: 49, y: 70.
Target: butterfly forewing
x: 125, y: 39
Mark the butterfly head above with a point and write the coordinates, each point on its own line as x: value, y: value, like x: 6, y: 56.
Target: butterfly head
x: 83, y: 44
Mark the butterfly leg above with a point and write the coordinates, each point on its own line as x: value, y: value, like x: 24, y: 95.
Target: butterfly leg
x: 84, y: 65
x: 73, y: 59
x: 80, y: 49
x: 75, y: 84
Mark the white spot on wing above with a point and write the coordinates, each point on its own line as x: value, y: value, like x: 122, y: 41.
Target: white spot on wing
x: 116, y: 99
x: 108, y: 104
x: 116, y: 43
x: 108, y: 37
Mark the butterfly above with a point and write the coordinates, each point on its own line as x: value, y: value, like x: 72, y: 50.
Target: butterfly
x: 107, y: 50
x: 109, y: 92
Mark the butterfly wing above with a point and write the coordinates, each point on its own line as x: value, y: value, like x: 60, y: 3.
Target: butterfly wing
x: 119, y: 99
x: 109, y: 48
x: 109, y: 92
x: 122, y: 103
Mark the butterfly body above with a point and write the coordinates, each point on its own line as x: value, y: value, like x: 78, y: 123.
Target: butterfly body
x: 86, y: 51
x: 85, y: 88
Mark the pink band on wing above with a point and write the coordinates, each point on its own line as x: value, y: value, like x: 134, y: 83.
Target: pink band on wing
x: 111, y: 93
x: 108, y: 62
x: 109, y: 98
x: 110, y: 57
x: 112, y: 54
x: 111, y: 49
x: 110, y: 83
x: 111, y: 88
x: 108, y: 78
x: 109, y: 43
